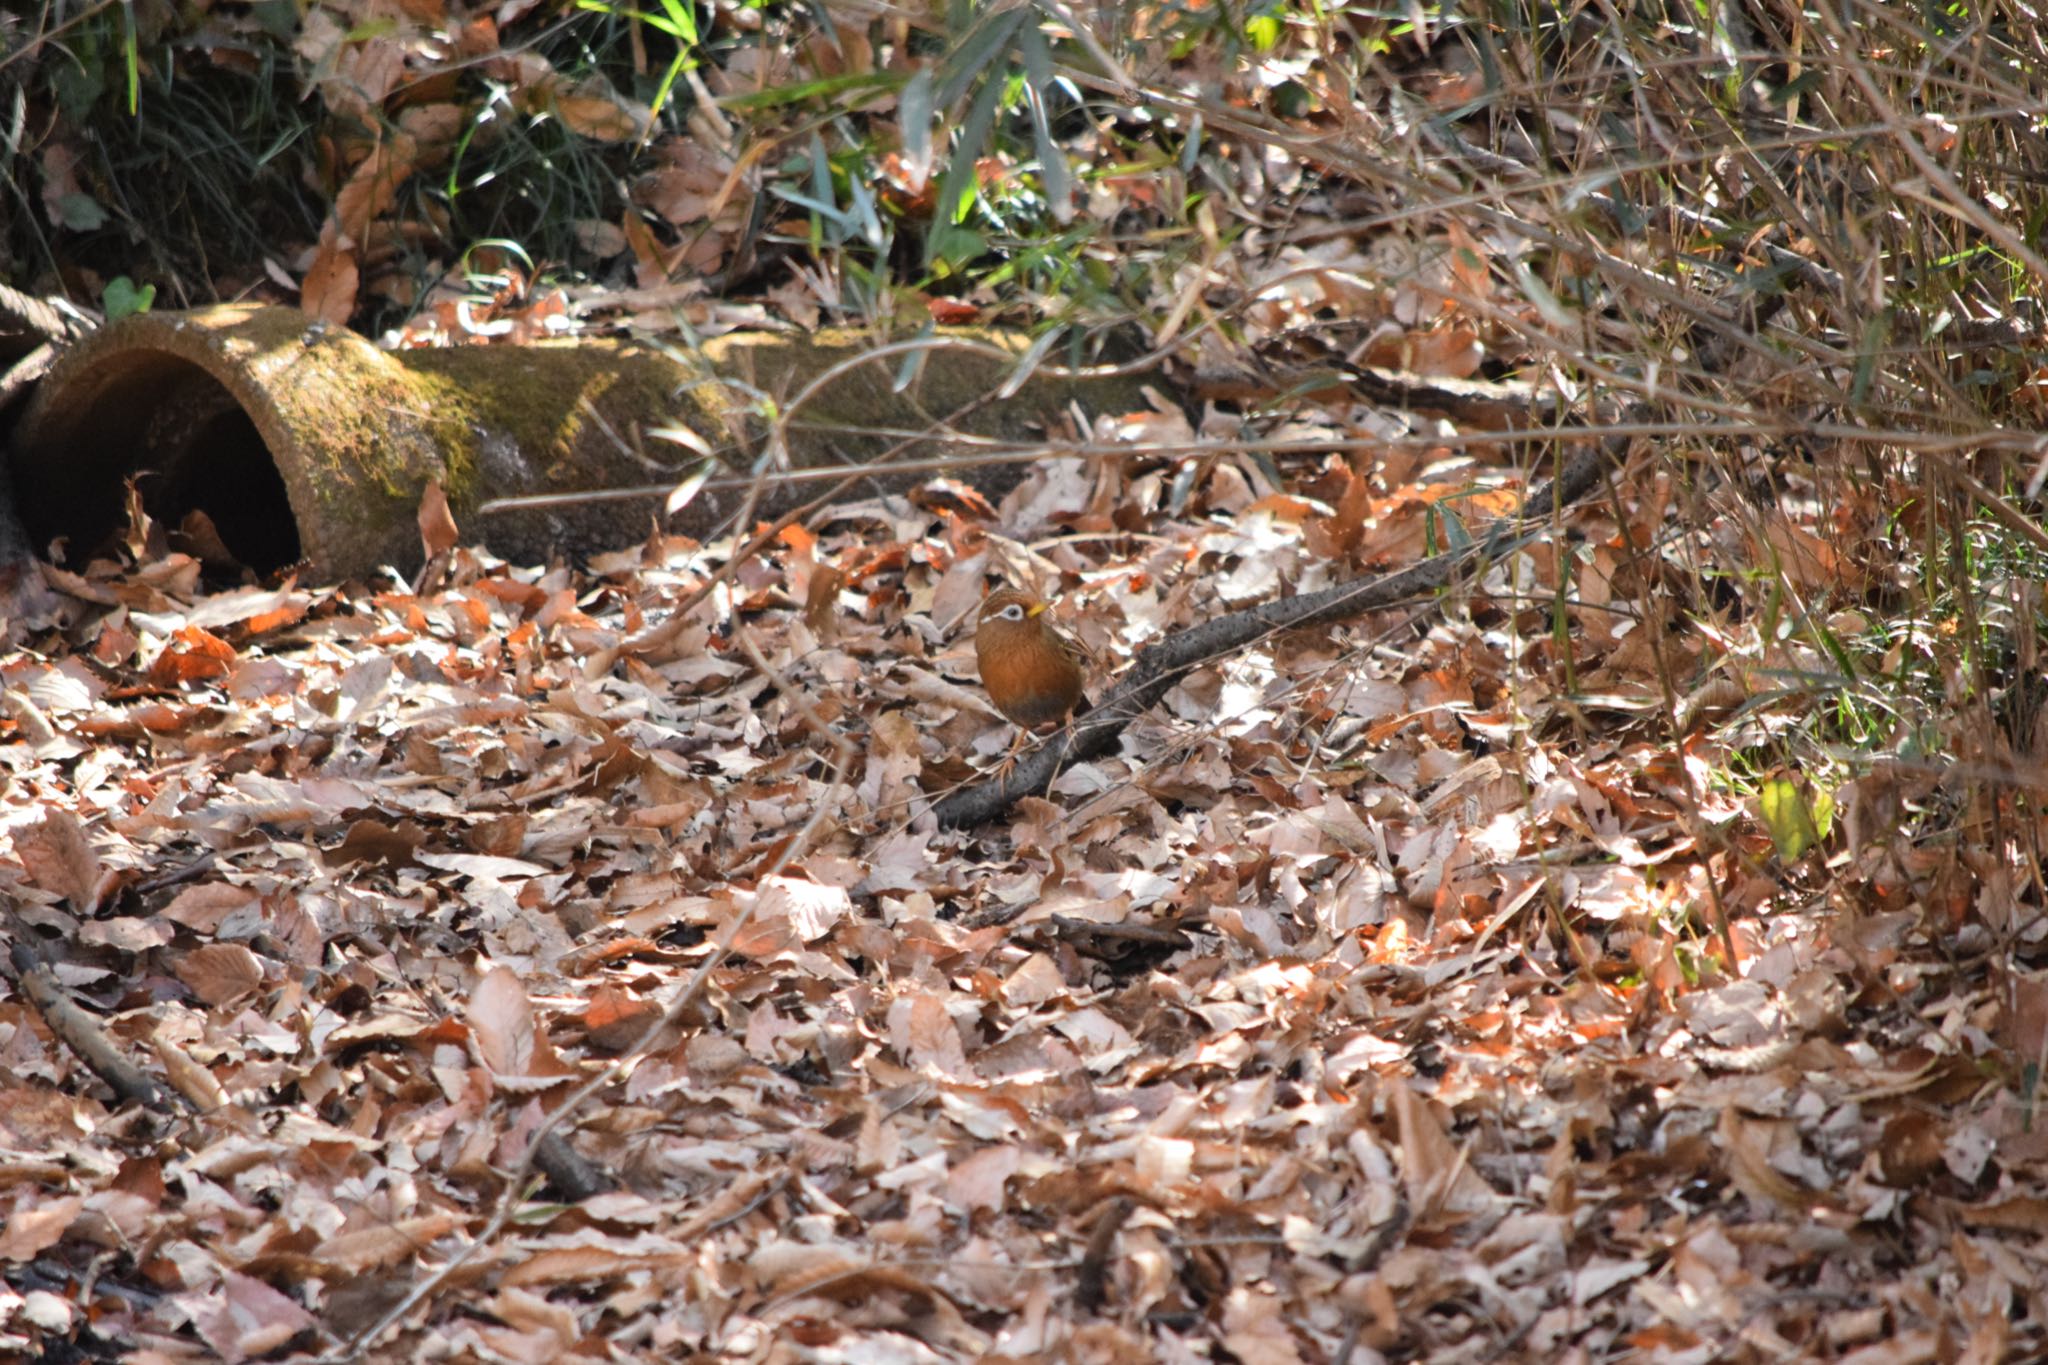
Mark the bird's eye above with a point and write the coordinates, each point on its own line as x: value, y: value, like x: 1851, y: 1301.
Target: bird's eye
x: 1013, y: 612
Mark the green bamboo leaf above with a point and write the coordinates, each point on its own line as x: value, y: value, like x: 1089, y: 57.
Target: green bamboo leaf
x: 960, y: 181
x: 799, y: 92
x: 913, y: 361
x: 871, y: 229
x: 1445, y: 522
x: 685, y: 492
x: 1033, y: 358
x: 832, y: 212
x: 986, y: 43
x: 1052, y: 162
x: 914, y: 110
x: 1537, y: 292
x: 1037, y: 55
x: 131, y: 59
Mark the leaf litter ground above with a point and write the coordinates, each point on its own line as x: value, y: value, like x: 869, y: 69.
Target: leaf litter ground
x: 1372, y: 1003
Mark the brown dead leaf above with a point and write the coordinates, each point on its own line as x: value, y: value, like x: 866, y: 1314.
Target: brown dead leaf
x: 592, y: 1256
x: 32, y: 1228
x: 1255, y: 1329
x: 327, y: 291
x: 1440, y: 1181
x: 2023, y: 1024
x: 60, y: 860
x: 127, y: 933
x: 244, y: 1318
x: 1337, y: 535
x: 613, y: 1020
x: 977, y: 1182
x: 199, y: 537
x: 61, y: 186
x: 1807, y: 562
x: 373, y: 186
x: 1747, y: 1144
x: 219, y: 972
x: 200, y: 1087
x: 1469, y: 261
x: 654, y: 263
x: 507, y: 1037
x: 374, y: 841
x: 1446, y: 353
x: 438, y: 533
x: 594, y: 110
x: 383, y: 1243
x: 2022, y: 1213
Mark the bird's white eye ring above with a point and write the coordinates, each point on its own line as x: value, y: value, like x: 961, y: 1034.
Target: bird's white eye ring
x: 1012, y: 612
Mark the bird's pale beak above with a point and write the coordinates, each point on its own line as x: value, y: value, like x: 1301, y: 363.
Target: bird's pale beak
x: 1034, y: 609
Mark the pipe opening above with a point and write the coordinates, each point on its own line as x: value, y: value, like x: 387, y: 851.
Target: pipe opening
x: 187, y: 442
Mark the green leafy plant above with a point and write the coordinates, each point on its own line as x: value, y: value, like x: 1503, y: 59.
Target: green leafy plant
x: 1797, y: 819
x: 123, y: 298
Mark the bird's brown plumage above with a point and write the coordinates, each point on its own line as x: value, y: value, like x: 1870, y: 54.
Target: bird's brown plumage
x: 1032, y: 673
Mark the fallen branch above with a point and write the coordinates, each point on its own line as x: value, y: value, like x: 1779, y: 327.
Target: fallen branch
x: 1159, y: 666
x: 82, y: 1033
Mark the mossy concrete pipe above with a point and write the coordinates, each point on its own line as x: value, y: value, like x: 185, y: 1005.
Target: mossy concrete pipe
x: 301, y: 442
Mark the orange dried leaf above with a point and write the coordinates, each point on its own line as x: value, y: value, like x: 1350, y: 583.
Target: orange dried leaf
x: 328, y: 290
x: 438, y: 532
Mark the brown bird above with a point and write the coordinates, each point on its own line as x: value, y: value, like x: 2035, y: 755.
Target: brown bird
x: 1032, y: 672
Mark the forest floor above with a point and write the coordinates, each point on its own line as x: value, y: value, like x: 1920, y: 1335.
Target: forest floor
x: 1631, y: 950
